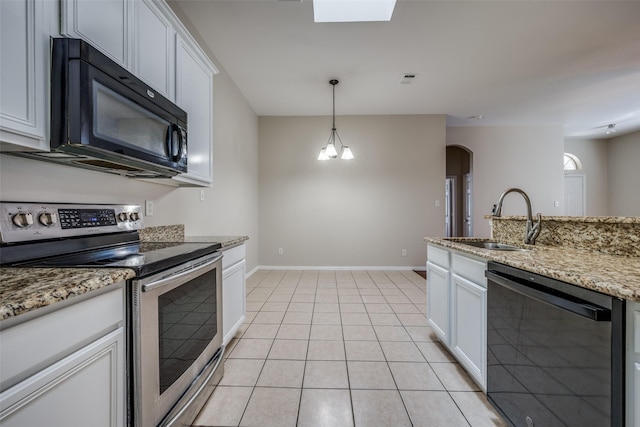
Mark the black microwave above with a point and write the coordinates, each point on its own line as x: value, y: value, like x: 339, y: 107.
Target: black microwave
x: 104, y: 118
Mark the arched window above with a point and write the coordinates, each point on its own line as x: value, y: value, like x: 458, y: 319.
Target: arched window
x: 571, y: 162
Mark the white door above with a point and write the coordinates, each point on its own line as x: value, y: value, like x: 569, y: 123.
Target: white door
x: 574, y: 200
x: 467, y: 201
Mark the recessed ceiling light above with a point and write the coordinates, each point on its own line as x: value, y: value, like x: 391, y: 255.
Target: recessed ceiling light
x: 476, y: 117
x: 352, y: 10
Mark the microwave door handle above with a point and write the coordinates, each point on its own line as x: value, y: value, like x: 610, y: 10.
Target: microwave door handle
x: 181, y: 143
x: 175, y: 145
x: 169, y: 141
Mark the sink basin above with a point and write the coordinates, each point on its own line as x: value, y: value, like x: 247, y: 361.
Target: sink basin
x: 493, y: 246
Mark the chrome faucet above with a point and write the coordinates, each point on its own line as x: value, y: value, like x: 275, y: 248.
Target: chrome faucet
x: 533, y: 230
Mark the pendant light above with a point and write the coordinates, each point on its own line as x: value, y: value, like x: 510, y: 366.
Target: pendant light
x: 330, y: 151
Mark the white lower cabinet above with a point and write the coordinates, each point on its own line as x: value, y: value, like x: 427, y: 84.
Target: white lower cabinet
x: 457, y: 307
x: 66, y: 367
x: 233, y: 291
x: 469, y: 320
x: 84, y: 389
x: 438, y: 296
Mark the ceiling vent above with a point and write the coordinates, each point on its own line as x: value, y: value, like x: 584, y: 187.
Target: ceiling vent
x: 408, y: 78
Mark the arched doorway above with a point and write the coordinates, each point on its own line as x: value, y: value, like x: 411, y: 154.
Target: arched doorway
x: 459, y: 192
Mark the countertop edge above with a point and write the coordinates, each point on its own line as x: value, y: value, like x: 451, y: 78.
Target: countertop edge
x: 226, y: 241
x: 47, y: 286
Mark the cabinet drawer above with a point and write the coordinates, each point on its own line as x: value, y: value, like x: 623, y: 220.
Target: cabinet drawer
x: 438, y: 256
x: 233, y: 256
x: 35, y: 344
x: 469, y: 268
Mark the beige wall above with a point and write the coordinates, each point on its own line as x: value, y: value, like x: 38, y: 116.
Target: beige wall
x: 528, y: 157
x: 350, y: 213
x: 230, y: 206
x: 592, y: 154
x: 624, y: 175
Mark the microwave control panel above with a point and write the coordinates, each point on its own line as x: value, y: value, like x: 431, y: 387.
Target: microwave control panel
x: 22, y: 222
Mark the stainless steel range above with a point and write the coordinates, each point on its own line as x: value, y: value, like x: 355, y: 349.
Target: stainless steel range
x: 174, y: 304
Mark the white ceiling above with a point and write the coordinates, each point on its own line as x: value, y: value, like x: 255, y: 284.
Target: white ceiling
x: 570, y: 63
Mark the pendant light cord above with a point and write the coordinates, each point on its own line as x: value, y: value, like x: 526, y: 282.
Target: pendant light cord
x: 333, y: 83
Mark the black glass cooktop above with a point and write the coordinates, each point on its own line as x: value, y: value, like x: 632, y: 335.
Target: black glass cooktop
x: 145, y: 258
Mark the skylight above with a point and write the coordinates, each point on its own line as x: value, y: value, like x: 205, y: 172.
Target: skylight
x: 353, y: 10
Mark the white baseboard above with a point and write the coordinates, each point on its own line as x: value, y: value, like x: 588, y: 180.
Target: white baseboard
x: 316, y: 267
x: 249, y: 274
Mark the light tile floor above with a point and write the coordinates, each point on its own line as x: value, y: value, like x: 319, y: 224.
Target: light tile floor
x: 341, y: 348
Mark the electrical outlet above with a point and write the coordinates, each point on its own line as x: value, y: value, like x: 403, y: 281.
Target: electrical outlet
x: 280, y: 251
x: 437, y: 203
x: 404, y: 252
x: 202, y: 195
x: 148, y: 208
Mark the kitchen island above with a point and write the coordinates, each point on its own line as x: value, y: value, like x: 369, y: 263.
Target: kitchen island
x: 595, y: 253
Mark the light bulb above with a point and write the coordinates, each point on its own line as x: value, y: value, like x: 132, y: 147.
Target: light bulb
x: 346, y: 153
x: 323, y: 154
x: 331, y: 150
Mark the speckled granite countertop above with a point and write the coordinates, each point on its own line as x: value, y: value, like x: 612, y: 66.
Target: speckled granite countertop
x: 26, y: 289
x: 610, y: 274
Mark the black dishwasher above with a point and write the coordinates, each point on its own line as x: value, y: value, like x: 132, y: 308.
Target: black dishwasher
x: 555, y: 351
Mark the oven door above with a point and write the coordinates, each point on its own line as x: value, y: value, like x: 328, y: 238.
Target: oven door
x: 176, y: 338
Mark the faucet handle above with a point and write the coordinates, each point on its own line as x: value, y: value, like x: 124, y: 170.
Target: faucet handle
x: 495, y: 209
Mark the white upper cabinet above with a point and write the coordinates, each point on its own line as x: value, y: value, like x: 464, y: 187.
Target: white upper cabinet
x: 143, y: 36
x: 194, y: 94
x: 23, y: 86
x: 104, y: 24
x: 154, y: 45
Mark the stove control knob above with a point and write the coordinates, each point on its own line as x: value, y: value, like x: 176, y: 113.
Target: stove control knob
x: 123, y: 217
x: 23, y: 219
x: 134, y: 216
x: 48, y: 218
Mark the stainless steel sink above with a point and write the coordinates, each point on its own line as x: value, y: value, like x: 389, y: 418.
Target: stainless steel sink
x: 493, y: 246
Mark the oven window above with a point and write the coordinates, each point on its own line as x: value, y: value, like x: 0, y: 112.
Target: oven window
x: 187, y: 321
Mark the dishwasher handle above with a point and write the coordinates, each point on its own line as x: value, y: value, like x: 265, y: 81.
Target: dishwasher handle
x: 568, y: 303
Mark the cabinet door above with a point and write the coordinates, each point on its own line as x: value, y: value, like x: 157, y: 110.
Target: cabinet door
x: 83, y: 389
x: 438, y: 300
x: 104, y: 24
x: 154, y: 47
x: 24, y: 51
x: 468, y: 337
x: 194, y: 94
x: 233, y: 299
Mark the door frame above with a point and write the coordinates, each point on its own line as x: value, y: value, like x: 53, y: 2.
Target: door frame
x: 451, y: 205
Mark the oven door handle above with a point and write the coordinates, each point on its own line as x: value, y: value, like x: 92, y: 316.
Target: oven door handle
x: 579, y: 307
x: 186, y: 275
x: 171, y: 421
